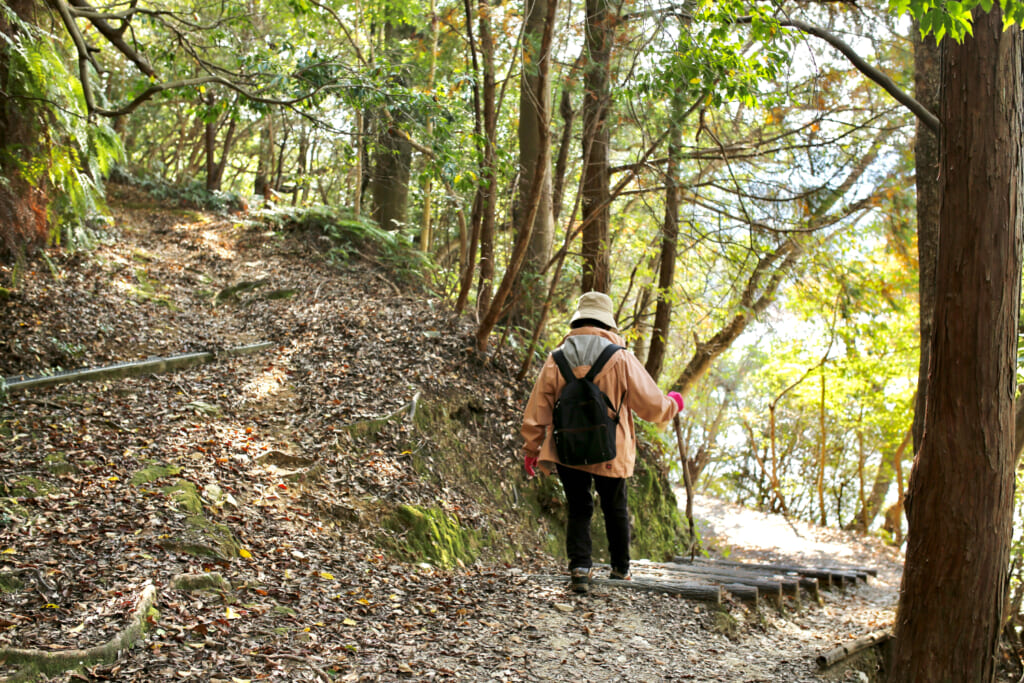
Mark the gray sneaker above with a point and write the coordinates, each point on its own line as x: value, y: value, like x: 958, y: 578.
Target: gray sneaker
x: 579, y: 579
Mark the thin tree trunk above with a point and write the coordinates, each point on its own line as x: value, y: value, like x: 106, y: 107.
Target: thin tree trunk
x: 488, y: 192
x: 823, y: 441
x: 522, y: 241
x: 666, y: 273
x: 960, y: 502
x: 599, y: 37
x: 427, y: 229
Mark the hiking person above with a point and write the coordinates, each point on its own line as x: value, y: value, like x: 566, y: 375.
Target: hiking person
x: 593, y: 340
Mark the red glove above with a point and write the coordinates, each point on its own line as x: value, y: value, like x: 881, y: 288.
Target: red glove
x: 530, y: 464
x: 678, y: 398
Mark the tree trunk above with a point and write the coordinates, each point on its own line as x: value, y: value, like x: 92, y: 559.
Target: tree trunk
x: 488, y: 176
x: 568, y: 115
x: 532, y: 101
x: 666, y: 273
x: 596, y: 213
x: 490, y: 319
x: 926, y: 161
x: 960, y: 502
x: 427, y: 229
x: 822, y: 444
x: 265, y: 157
x: 872, y: 504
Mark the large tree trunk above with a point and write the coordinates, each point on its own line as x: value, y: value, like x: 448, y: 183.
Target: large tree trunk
x: 667, y: 271
x: 532, y: 101
x: 389, y: 185
x: 926, y: 161
x: 960, y: 499
x: 596, y: 213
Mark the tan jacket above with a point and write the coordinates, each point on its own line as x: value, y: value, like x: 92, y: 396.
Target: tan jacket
x: 622, y: 379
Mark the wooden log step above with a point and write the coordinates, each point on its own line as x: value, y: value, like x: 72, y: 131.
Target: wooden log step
x: 809, y: 584
x: 693, y: 591
x: 790, y: 584
x: 826, y: 577
x: 766, y: 588
x: 702, y: 592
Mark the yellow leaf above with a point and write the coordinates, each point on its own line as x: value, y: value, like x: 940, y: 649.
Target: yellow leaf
x: 231, y: 614
x: 77, y: 629
x: 350, y: 622
x: 695, y: 79
x: 113, y: 479
x: 9, y: 551
x: 242, y: 552
x: 50, y: 605
x: 327, y: 575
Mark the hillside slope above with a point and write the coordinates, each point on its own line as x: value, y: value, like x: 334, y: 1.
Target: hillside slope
x: 347, y: 505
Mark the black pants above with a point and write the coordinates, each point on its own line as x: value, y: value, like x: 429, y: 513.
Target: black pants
x: 614, y: 505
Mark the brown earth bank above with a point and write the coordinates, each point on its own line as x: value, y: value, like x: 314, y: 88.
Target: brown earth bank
x: 263, y: 517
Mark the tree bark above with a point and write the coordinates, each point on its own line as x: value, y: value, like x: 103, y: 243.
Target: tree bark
x: 960, y: 499
x: 926, y: 161
x: 599, y: 36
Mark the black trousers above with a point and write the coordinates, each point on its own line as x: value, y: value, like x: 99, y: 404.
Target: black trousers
x: 614, y: 505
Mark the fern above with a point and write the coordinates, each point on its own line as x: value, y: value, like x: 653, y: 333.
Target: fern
x: 67, y: 155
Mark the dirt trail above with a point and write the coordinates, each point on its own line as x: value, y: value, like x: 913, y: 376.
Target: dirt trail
x: 114, y: 466
x: 748, y: 535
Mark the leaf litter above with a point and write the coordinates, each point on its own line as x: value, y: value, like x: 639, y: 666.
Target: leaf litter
x: 109, y: 487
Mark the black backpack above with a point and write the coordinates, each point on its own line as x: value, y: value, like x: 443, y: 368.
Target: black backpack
x: 584, y: 419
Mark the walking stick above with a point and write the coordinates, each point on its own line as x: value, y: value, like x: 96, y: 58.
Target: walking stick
x: 689, y: 486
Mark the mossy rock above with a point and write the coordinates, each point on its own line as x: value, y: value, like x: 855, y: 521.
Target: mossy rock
x: 153, y: 472
x: 431, y: 535
x: 211, y: 581
x: 204, y: 538
x: 185, y: 494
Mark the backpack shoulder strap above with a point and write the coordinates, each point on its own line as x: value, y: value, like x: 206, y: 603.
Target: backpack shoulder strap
x: 598, y: 365
x: 563, y: 365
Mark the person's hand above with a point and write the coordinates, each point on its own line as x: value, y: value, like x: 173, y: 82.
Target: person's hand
x: 530, y: 465
x: 678, y: 398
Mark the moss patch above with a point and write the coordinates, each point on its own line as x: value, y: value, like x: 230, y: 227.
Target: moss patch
x: 153, y: 472
x: 424, y: 534
x: 185, y: 494
x: 58, y: 464
x: 30, y: 487
x: 659, y: 529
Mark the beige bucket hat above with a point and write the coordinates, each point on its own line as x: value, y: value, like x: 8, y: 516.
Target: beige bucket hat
x: 595, y: 306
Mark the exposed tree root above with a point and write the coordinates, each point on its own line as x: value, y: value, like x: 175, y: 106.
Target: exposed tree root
x: 35, y: 662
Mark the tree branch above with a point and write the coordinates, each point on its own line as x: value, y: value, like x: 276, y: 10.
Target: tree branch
x: 904, y: 98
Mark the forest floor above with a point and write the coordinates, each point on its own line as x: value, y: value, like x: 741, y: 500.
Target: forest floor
x: 114, y: 489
